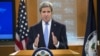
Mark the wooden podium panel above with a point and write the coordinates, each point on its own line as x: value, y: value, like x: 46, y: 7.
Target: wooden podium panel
x: 57, y: 52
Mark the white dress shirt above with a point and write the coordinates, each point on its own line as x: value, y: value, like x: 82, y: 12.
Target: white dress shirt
x: 49, y: 26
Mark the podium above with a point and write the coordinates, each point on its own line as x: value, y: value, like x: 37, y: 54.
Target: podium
x: 57, y: 52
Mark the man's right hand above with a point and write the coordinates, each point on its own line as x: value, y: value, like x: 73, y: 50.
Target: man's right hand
x: 36, y: 40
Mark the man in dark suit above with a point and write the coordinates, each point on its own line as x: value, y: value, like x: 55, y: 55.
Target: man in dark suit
x: 52, y: 37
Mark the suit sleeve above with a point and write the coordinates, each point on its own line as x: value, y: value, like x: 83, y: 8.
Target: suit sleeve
x: 31, y: 39
x: 63, y: 42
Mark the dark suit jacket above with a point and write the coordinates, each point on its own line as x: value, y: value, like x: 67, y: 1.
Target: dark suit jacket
x: 59, y: 31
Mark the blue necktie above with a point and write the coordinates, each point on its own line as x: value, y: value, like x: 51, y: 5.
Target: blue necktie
x: 46, y: 35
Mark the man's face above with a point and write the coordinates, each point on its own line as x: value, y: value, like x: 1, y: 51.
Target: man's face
x: 46, y: 14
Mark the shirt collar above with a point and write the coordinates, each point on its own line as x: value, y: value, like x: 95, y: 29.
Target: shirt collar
x: 43, y: 22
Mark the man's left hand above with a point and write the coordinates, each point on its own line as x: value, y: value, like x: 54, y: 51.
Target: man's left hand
x: 54, y: 38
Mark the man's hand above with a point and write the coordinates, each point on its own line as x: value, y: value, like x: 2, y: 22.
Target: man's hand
x: 36, y: 40
x: 54, y: 38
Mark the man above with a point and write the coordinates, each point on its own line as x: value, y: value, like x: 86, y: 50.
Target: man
x: 47, y: 33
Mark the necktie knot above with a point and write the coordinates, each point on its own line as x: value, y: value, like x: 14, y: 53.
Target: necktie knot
x: 46, y: 23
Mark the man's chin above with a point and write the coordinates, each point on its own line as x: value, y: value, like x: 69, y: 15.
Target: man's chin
x: 46, y: 20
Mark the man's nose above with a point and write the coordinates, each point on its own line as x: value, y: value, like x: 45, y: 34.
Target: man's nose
x: 46, y: 13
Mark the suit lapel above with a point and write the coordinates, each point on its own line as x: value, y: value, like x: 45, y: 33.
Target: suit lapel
x: 41, y: 40
x: 53, y: 26
x: 53, y: 29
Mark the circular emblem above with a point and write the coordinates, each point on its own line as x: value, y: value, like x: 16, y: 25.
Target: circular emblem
x: 42, y: 52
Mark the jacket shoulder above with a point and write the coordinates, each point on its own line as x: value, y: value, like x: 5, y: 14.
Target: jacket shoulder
x: 35, y: 26
x: 58, y: 23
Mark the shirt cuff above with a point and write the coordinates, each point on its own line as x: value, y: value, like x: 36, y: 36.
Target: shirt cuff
x: 57, y: 45
x: 34, y: 47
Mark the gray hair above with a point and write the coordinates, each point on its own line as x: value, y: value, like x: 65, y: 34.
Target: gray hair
x: 46, y: 4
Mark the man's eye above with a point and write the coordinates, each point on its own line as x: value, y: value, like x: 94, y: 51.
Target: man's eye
x: 48, y: 11
x: 44, y: 11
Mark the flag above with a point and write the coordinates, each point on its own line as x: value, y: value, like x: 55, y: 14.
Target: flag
x: 22, y: 28
x: 90, y: 40
x: 98, y: 19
